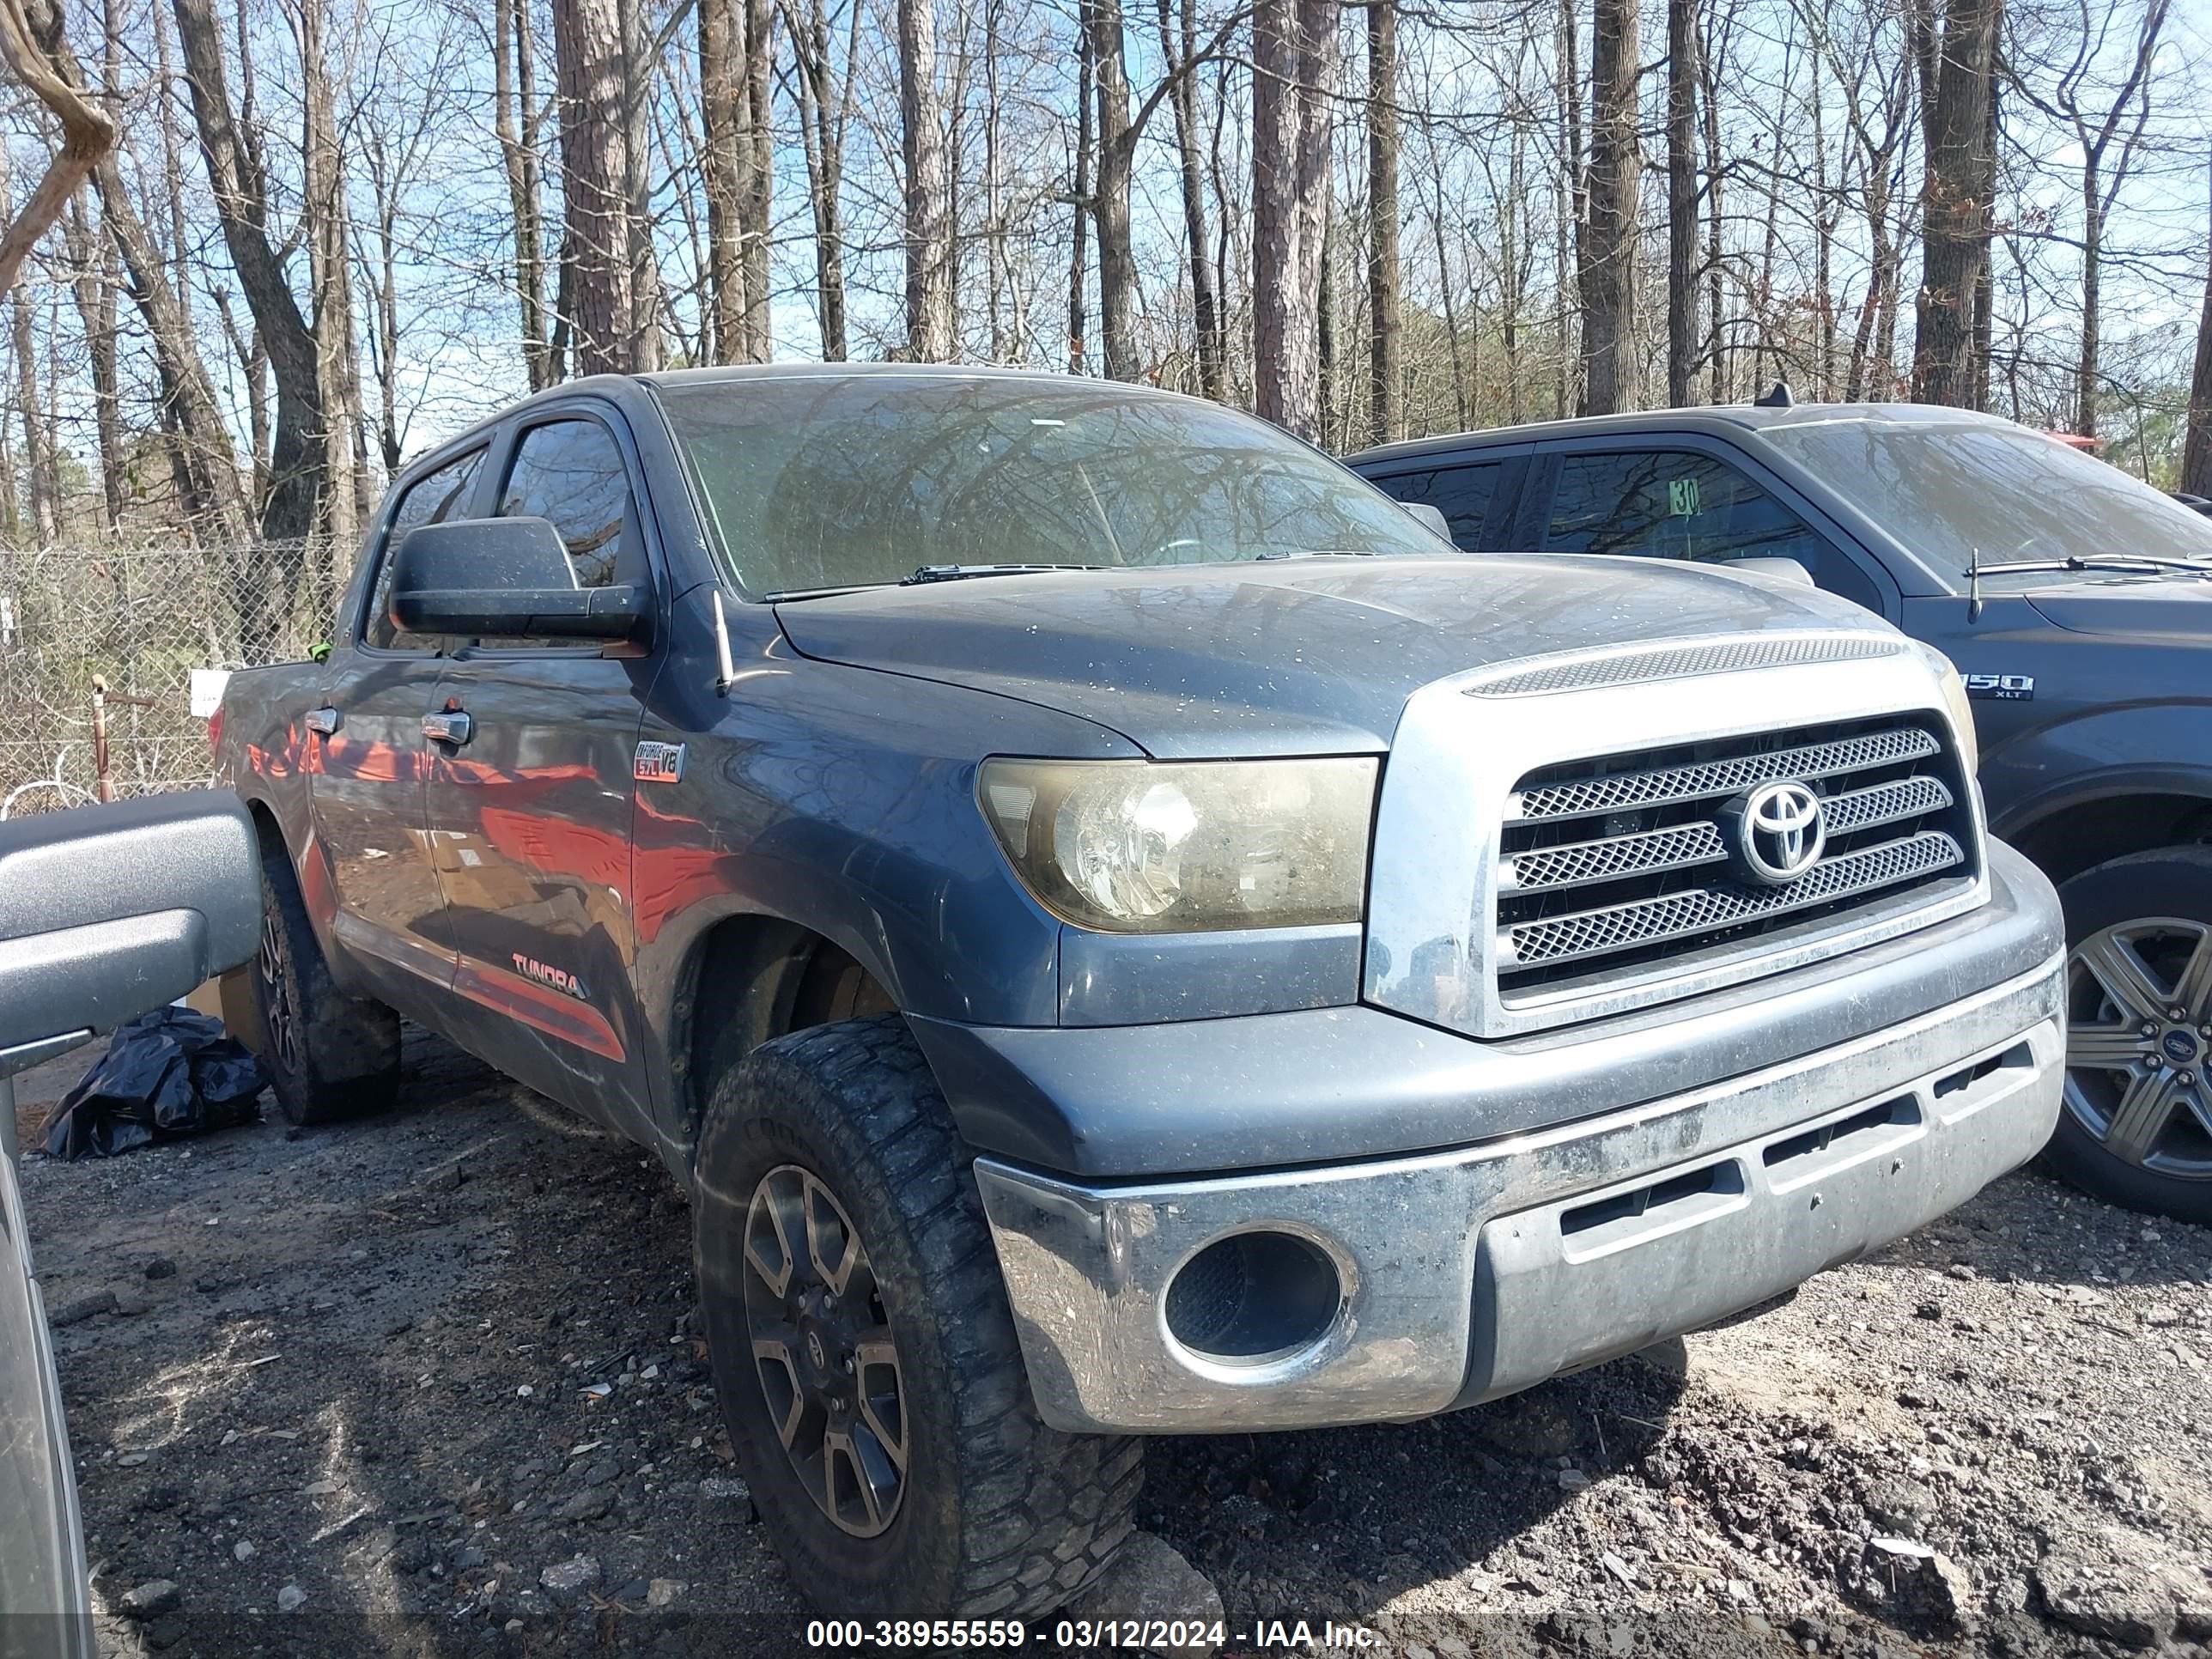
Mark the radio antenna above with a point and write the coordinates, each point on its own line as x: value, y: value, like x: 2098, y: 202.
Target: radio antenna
x: 1974, y: 585
x: 726, y: 672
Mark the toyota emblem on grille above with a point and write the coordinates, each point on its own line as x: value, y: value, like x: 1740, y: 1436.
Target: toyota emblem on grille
x: 1778, y: 832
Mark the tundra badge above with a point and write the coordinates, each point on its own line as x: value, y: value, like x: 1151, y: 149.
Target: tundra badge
x: 658, y: 763
x: 546, y: 974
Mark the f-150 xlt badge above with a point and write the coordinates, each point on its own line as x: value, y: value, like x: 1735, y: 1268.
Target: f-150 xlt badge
x: 546, y: 974
x: 658, y: 763
x: 2003, y: 688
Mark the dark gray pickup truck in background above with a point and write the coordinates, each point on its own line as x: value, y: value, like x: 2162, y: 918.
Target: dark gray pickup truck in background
x: 1120, y: 929
x: 2075, y: 600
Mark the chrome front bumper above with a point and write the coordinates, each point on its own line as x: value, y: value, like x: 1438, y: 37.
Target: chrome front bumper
x: 1472, y: 1274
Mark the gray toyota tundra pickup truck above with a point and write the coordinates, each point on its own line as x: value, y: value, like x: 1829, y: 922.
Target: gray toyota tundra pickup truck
x: 1119, y: 929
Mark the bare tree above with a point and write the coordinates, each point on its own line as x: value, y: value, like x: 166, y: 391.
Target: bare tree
x: 1958, y: 77
x: 514, y: 105
x: 1179, y: 51
x: 1681, y: 198
x: 300, y: 457
x: 1386, y: 322
x: 726, y: 159
x: 2196, y: 448
x: 330, y: 266
x: 2104, y: 172
x: 1293, y: 76
x: 1610, y: 350
x: 824, y: 108
x: 587, y: 45
x: 929, y: 315
x: 87, y: 134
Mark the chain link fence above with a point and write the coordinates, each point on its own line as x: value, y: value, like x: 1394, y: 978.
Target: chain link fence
x: 123, y: 636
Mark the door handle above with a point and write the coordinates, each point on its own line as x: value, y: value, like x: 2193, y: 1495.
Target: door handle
x: 450, y: 727
x: 322, y: 720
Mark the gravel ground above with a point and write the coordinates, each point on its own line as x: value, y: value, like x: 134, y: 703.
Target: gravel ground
x: 431, y: 1385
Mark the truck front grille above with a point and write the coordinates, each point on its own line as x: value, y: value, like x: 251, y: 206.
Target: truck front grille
x: 1617, y: 866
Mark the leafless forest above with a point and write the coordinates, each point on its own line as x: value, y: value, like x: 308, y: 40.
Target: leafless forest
x: 288, y: 244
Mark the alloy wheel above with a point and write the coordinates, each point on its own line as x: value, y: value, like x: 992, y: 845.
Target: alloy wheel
x: 277, y: 994
x: 821, y: 1344
x: 2139, y: 1038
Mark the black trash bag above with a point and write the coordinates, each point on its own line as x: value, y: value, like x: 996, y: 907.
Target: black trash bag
x: 172, y: 1071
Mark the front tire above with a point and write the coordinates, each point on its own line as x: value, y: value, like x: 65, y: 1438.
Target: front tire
x: 2136, y: 1129
x: 865, y: 1358
x: 328, y: 1055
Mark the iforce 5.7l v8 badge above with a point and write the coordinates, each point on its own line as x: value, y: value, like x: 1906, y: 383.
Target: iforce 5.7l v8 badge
x: 658, y: 763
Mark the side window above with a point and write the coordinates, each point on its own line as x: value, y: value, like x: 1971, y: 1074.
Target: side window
x: 571, y: 473
x: 1676, y: 504
x: 1462, y: 493
x: 431, y: 499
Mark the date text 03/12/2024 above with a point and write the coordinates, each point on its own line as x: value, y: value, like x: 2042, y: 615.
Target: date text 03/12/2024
x: 1087, y: 1635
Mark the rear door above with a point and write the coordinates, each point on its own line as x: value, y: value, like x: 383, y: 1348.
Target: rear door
x: 367, y: 762
x: 1474, y: 490
x: 1686, y: 496
x: 529, y: 801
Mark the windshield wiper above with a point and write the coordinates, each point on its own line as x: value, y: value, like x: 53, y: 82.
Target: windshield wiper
x: 2105, y: 561
x: 961, y: 572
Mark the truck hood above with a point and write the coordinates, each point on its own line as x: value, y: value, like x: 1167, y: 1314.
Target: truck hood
x: 1306, y: 656
x: 2174, y: 608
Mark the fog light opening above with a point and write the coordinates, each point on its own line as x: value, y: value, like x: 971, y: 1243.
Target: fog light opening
x: 1253, y: 1296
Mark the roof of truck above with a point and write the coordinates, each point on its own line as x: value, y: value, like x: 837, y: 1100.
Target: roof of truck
x: 1751, y: 415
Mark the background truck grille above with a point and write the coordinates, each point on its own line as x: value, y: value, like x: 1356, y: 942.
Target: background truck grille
x: 1611, y: 865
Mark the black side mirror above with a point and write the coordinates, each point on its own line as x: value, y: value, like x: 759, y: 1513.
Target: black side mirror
x: 506, y: 577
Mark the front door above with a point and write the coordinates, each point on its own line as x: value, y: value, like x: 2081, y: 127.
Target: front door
x: 366, y: 760
x: 529, y: 801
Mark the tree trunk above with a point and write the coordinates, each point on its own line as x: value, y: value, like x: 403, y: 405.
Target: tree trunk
x: 638, y: 71
x: 1681, y: 199
x: 1385, y: 311
x: 1716, y: 271
x: 1204, y: 300
x: 1079, y: 321
x: 2088, y: 382
x: 929, y: 318
x: 87, y: 134
x: 514, y: 100
x: 587, y: 47
x: 204, y: 462
x: 1117, y: 257
x: 1570, y: 215
x: 2197, y: 443
x: 94, y: 279
x: 724, y: 159
x: 330, y: 265
x: 822, y: 137
x: 299, y: 455
x: 1293, y: 61
x: 1954, y: 204
x: 1608, y: 265
x: 42, y: 481
x: 759, y: 176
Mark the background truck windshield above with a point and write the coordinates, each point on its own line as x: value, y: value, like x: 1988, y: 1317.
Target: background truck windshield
x: 1944, y: 489
x: 832, y: 481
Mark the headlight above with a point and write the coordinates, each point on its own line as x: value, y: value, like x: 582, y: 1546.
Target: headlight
x: 1960, y: 707
x: 1143, y: 847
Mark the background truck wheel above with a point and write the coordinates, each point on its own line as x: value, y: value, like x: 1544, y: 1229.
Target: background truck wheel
x: 2138, y: 1126
x: 328, y: 1055
x: 865, y: 1356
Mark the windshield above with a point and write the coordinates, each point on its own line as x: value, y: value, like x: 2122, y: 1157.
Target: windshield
x: 840, y: 481
x: 1946, y: 489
